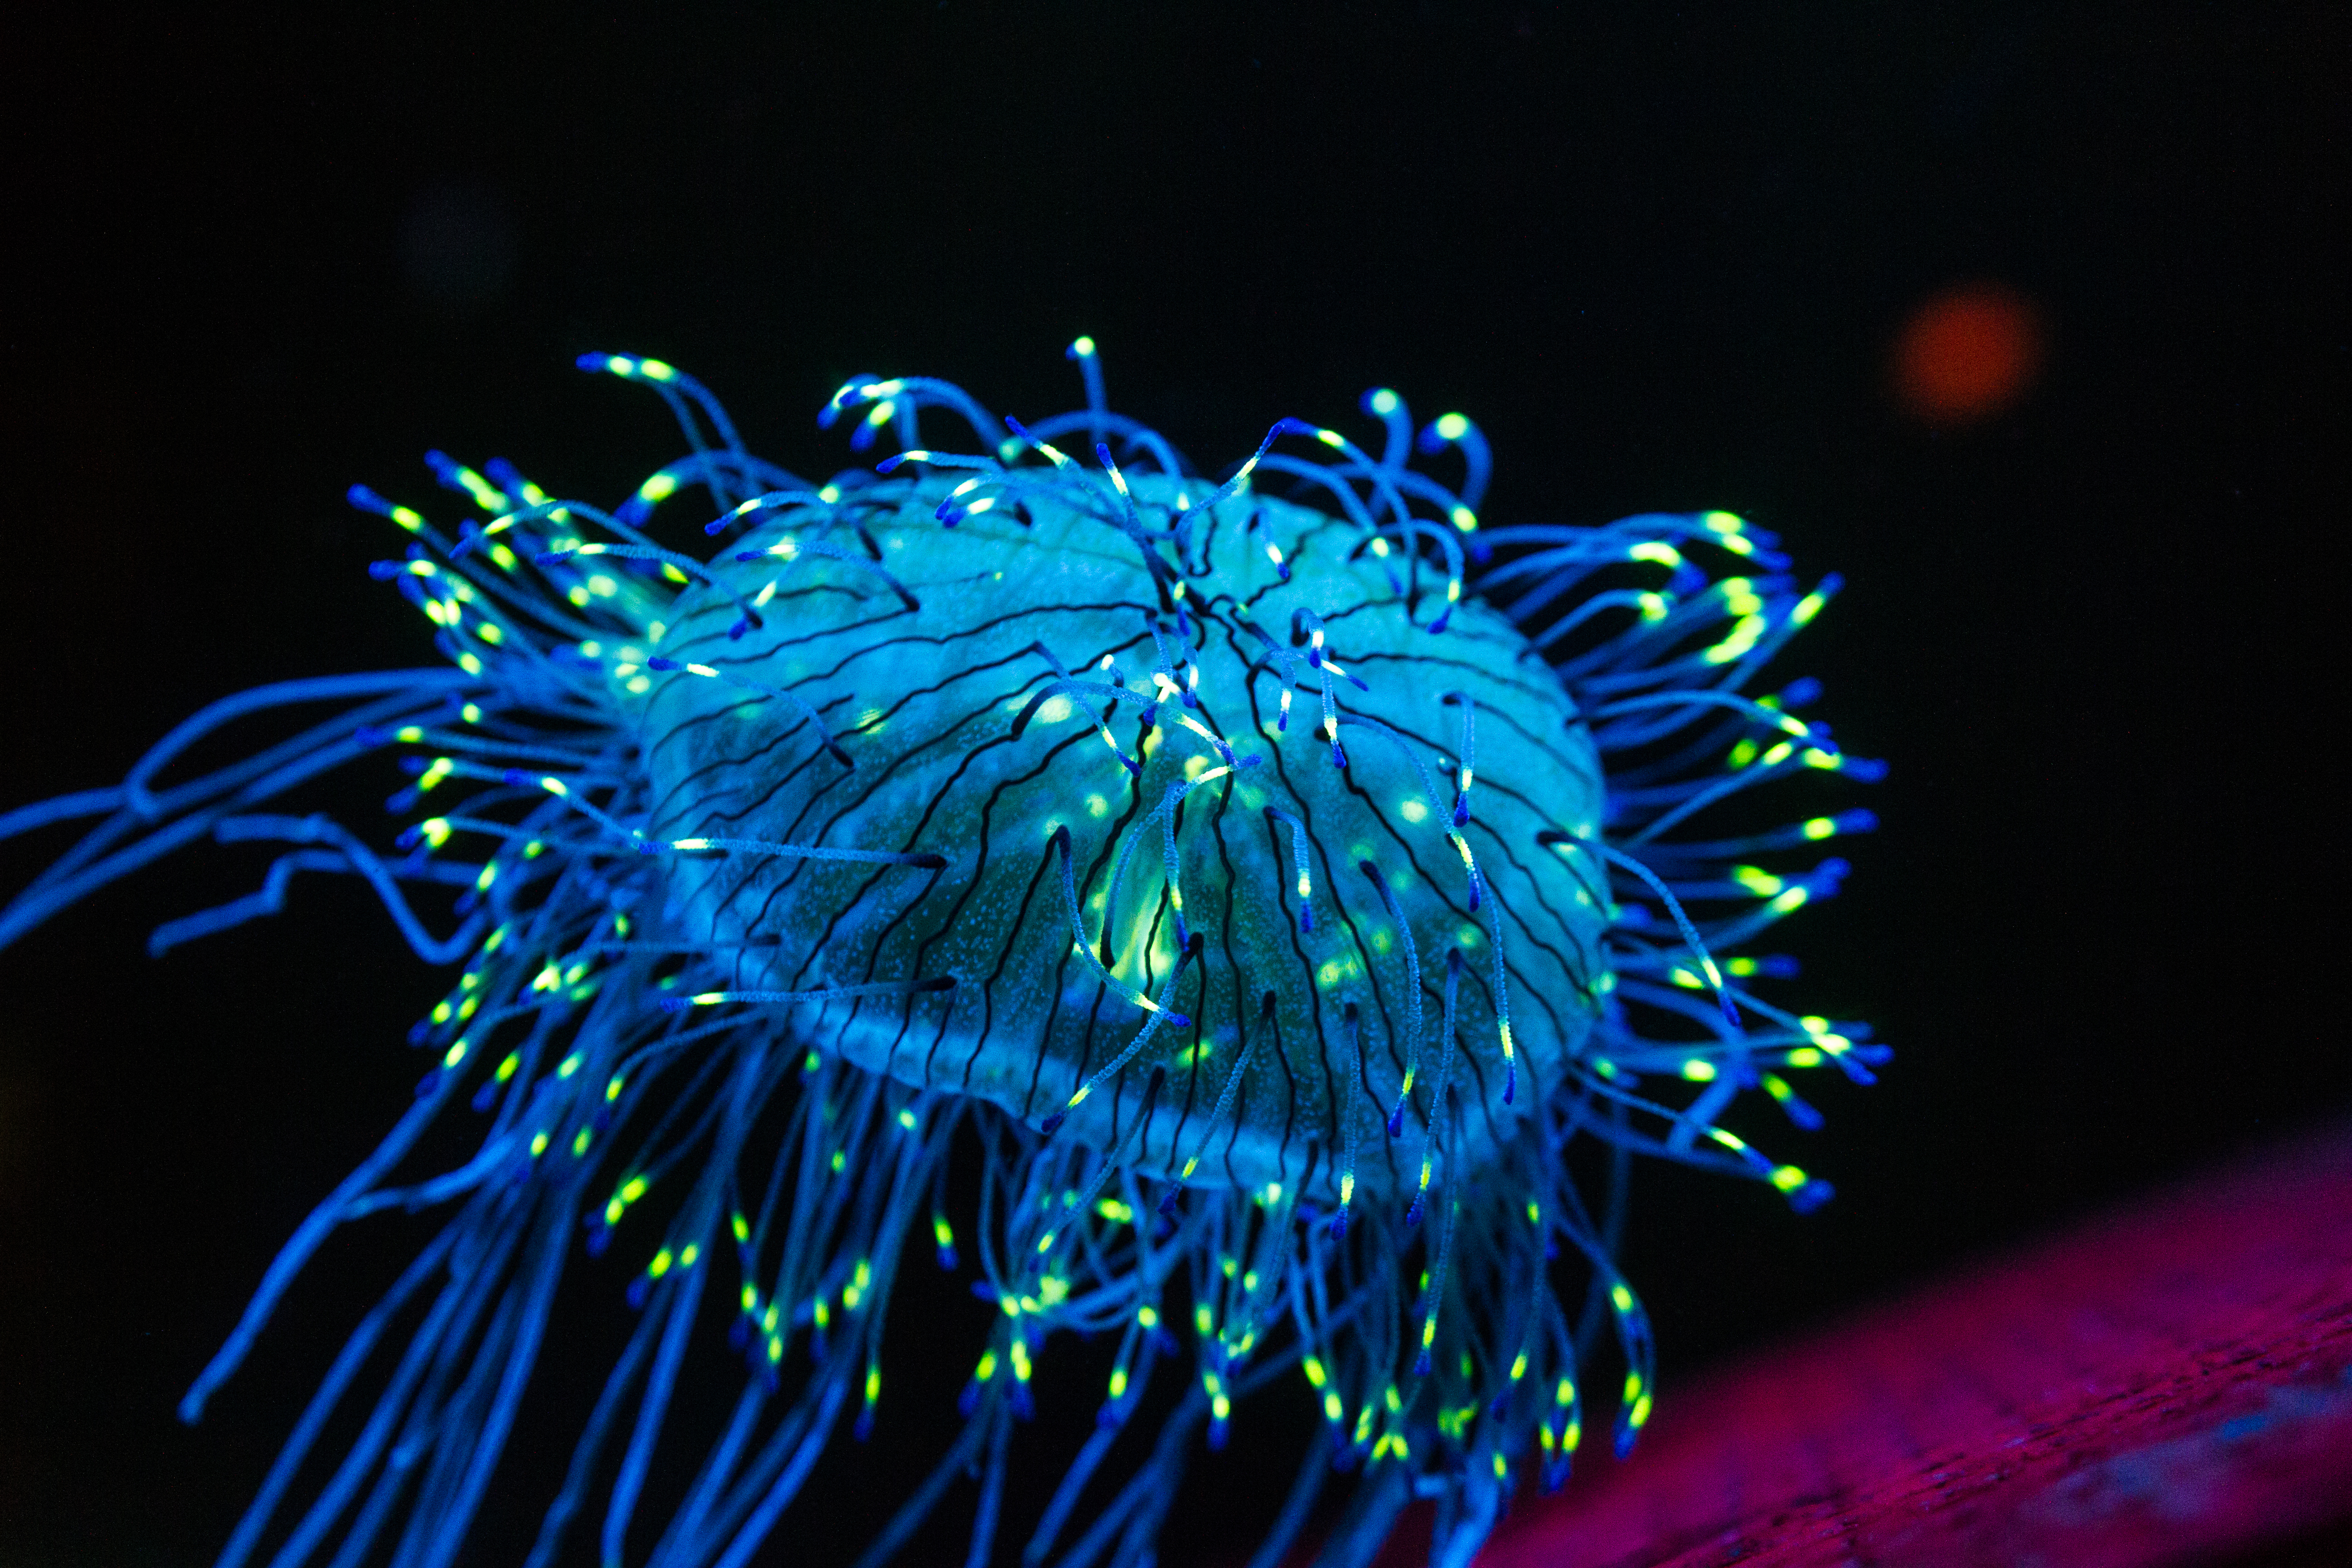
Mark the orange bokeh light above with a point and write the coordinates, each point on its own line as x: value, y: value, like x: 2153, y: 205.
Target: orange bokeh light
x: 1967, y: 354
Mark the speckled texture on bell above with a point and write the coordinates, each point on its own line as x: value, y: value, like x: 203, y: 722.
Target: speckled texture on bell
x: 965, y: 742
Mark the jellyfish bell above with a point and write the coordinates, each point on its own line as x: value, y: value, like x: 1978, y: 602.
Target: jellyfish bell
x: 1005, y: 700
x: 1271, y: 915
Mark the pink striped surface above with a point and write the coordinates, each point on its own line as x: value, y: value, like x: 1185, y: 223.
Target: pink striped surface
x: 2167, y: 1385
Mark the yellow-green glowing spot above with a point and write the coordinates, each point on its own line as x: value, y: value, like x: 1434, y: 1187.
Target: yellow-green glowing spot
x: 1745, y: 635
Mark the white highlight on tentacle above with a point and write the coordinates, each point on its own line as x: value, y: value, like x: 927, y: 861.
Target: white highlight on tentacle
x: 923, y: 859
x: 1301, y: 868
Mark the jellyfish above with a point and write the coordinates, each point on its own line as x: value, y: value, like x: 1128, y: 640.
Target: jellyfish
x: 1177, y: 905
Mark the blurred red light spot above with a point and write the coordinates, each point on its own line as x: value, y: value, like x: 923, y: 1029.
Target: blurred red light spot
x: 1967, y: 354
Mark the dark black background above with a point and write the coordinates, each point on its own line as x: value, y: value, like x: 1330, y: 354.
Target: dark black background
x: 1659, y: 253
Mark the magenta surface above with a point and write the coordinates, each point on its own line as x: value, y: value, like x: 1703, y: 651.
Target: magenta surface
x: 2169, y: 1385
